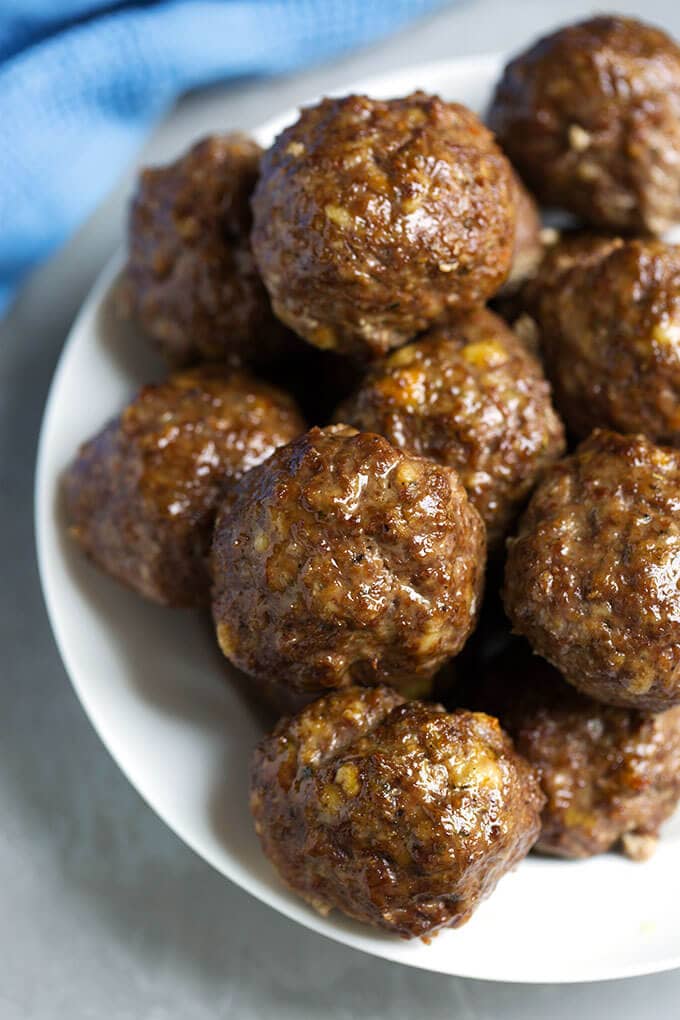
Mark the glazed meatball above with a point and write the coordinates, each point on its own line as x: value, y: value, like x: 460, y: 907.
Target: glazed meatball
x: 191, y: 279
x: 606, y: 313
x: 592, y: 576
x: 141, y: 496
x: 590, y: 116
x: 343, y: 560
x: 527, y: 250
x: 611, y: 775
x: 400, y: 815
x: 372, y: 219
x: 471, y: 396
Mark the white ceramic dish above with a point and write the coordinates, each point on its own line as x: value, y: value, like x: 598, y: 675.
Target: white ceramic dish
x: 154, y: 687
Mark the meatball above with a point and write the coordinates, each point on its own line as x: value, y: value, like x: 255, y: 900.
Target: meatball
x: 373, y: 219
x: 471, y: 396
x: 141, y: 495
x: 592, y: 577
x: 343, y: 560
x: 191, y: 279
x: 611, y: 775
x: 400, y: 815
x: 590, y: 116
x: 607, y: 317
x: 527, y: 250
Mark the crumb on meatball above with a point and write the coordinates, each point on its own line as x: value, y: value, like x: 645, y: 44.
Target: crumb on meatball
x: 611, y: 775
x: 591, y: 578
x: 141, y: 496
x: 590, y: 116
x: 400, y: 815
x: 468, y: 395
x: 344, y: 560
x: 373, y: 219
x: 190, y: 278
x: 607, y: 316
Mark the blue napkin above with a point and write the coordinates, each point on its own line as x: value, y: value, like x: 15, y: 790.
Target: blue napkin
x: 82, y: 81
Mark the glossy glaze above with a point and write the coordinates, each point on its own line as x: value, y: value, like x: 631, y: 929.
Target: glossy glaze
x: 400, y: 815
x: 611, y: 775
x: 471, y: 396
x: 341, y: 560
x: 190, y: 279
x: 141, y: 496
x: 593, y: 577
x: 373, y: 219
x: 607, y: 318
x: 590, y: 116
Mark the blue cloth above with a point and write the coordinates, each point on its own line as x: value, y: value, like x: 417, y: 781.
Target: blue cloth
x: 82, y: 81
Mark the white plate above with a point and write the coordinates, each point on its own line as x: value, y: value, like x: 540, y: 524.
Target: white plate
x: 153, y: 684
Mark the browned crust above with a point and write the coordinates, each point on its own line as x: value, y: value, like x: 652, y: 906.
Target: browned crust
x: 400, y: 815
x: 341, y: 560
x: 360, y: 244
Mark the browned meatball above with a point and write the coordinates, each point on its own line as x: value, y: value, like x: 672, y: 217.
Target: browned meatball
x: 191, y: 278
x: 343, y: 560
x: 141, y: 496
x: 607, y: 317
x: 611, y: 775
x: 469, y: 395
x: 400, y: 815
x: 590, y: 116
x: 592, y: 578
x: 527, y: 250
x: 372, y: 219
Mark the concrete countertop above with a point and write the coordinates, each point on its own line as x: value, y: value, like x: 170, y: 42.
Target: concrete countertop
x: 105, y: 914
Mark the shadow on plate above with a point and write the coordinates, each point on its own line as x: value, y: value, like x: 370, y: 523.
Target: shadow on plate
x: 130, y: 347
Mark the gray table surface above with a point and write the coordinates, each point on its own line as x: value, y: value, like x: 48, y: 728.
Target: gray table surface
x: 104, y: 913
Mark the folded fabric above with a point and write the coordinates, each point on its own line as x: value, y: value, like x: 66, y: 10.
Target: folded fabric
x: 79, y: 91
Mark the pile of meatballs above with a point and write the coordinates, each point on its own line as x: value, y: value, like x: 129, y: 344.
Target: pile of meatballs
x: 352, y: 447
